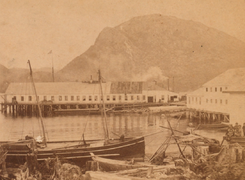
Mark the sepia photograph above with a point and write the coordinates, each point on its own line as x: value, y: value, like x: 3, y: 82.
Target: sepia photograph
x: 122, y: 89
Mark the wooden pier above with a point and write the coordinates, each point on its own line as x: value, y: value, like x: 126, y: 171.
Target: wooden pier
x: 206, y: 117
x: 48, y: 108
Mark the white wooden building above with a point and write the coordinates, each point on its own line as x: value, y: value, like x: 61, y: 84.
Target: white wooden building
x: 223, y: 94
x: 85, y: 93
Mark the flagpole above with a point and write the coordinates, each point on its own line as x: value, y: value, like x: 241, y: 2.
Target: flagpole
x: 51, y: 52
x: 53, y: 67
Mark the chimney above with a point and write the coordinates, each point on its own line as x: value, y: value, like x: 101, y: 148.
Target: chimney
x: 91, y: 79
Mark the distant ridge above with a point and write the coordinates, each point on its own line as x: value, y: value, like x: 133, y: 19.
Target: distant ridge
x: 154, y: 47
x: 149, y: 48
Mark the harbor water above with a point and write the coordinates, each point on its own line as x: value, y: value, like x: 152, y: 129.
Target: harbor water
x: 73, y: 126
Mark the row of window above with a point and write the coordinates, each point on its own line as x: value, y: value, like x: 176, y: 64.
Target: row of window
x: 215, y: 89
x: 89, y: 98
x: 216, y: 101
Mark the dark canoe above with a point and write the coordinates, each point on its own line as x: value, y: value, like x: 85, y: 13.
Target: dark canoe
x: 128, y: 149
x: 106, y: 164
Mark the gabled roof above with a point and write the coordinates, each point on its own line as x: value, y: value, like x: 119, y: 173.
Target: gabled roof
x: 230, y: 78
x: 199, y: 92
x: 73, y: 88
x: 57, y: 88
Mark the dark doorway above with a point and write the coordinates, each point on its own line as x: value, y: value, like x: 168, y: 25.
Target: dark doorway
x: 150, y: 98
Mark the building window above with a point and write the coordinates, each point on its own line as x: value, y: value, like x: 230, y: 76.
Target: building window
x: 206, y: 100
x: 226, y: 101
x: 60, y: 98
x: 30, y: 98
x: 90, y: 98
x: 132, y: 98
x: 143, y: 97
x: 114, y: 98
x: 206, y: 89
x: 101, y: 98
x: 119, y: 97
x: 210, y: 89
x: 45, y: 98
x: 215, y: 101
x: 22, y: 98
x: 138, y: 98
x: 211, y: 101
x: 126, y: 97
x: 72, y: 98
x: 84, y: 98
x: 108, y: 97
x: 226, y: 88
x: 162, y: 97
x: 52, y: 98
x: 37, y: 98
x: 78, y: 98
x: 216, y: 89
x: 221, y: 101
x: 95, y: 98
x: 66, y: 98
x: 220, y: 89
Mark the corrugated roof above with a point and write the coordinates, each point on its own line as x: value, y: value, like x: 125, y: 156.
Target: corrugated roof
x: 152, y: 86
x: 126, y: 87
x: 231, y: 78
x: 61, y: 88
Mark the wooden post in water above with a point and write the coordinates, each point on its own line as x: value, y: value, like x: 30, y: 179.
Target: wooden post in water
x: 219, y: 119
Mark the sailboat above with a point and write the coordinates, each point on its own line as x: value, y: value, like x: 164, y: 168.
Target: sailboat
x: 122, y: 148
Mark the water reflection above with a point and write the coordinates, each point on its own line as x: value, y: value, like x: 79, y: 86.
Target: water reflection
x: 72, y: 127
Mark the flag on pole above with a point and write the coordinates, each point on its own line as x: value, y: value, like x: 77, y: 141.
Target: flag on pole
x: 50, y: 52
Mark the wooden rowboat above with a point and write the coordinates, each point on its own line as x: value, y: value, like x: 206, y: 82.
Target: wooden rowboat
x: 106, y: 164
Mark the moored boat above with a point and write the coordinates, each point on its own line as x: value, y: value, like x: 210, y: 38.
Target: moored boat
x: 117, y: 165
x: 219, y: 127
x: 123, y: 148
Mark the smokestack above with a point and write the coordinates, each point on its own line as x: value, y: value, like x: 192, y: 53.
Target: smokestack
x: 91, y: 78
x: 168, y: 84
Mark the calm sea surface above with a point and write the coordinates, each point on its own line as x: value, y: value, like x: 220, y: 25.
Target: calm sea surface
x: 72, y: 128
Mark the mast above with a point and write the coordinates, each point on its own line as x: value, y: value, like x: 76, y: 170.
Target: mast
x: 52, y: 68
x: 104, y: 112
x: 38, y: 105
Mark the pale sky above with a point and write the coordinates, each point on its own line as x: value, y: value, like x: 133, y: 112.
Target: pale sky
x: 29, y: 29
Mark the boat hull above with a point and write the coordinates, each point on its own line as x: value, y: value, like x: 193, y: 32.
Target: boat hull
x: 132, y: 148
x: 106, y: 164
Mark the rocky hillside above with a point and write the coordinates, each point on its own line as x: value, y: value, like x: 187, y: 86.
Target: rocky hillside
x: 21, y: 75
x: 155, y: 47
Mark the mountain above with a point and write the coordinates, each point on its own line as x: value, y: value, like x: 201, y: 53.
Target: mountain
x: 155, y: 47
x: 3, y: 74
x: 22, y: 75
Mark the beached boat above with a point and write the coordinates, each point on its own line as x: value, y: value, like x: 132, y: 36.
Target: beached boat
x: 106, y: 164
x: 123, y: 148
x: 218, y: 127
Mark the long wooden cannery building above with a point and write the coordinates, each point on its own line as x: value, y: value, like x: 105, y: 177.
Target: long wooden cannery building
x: 220, y: 99
x: 84, y: 96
